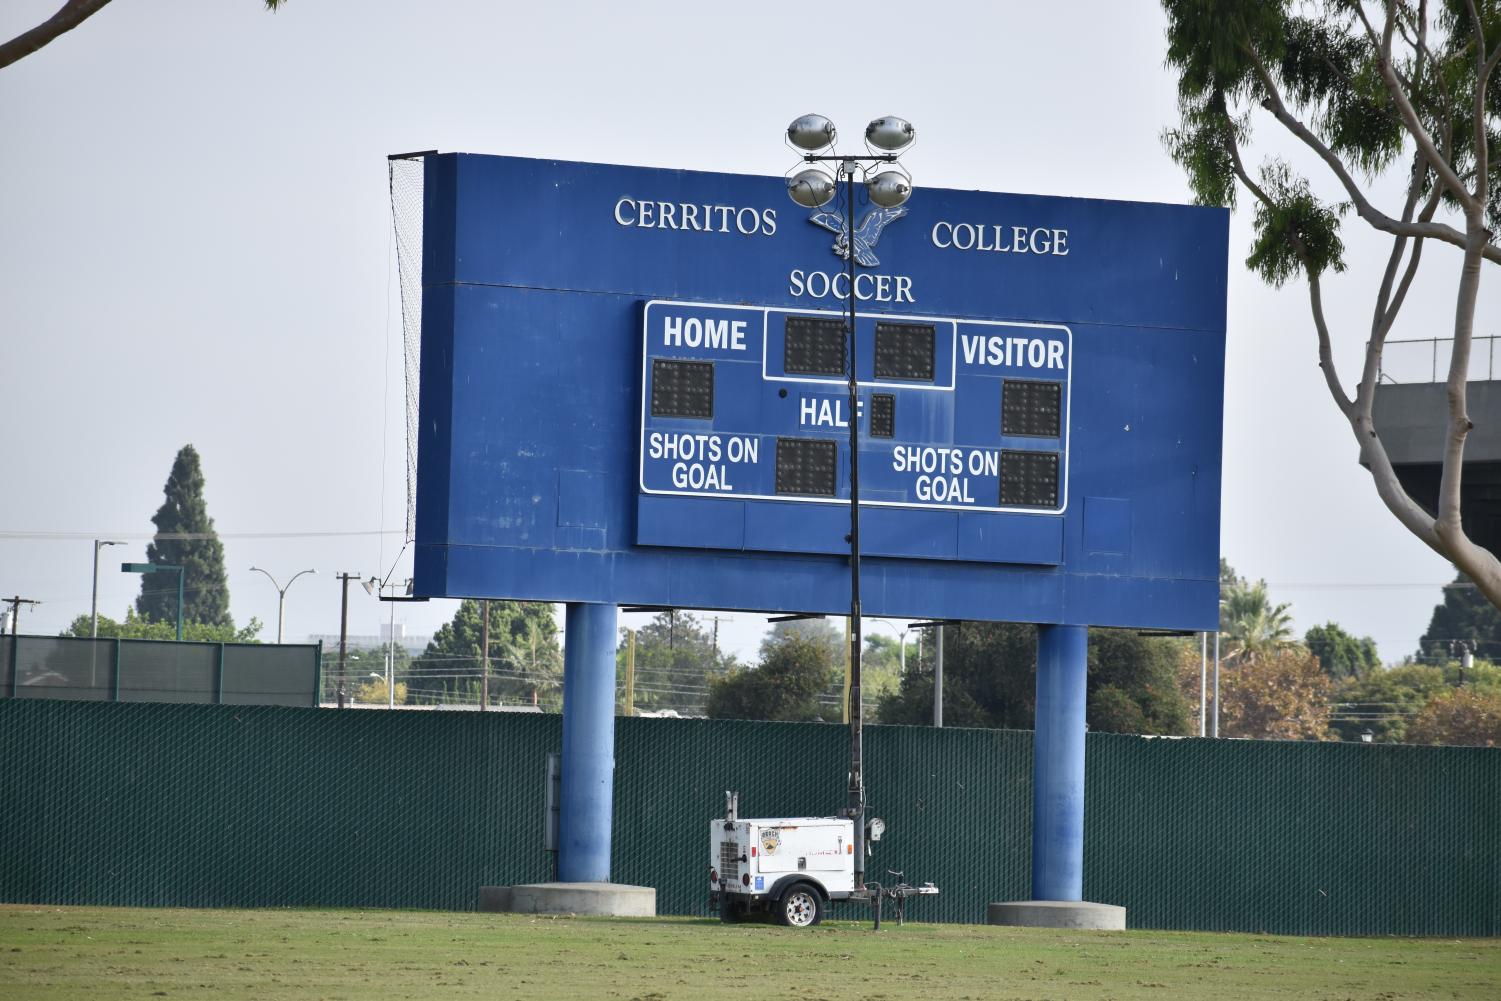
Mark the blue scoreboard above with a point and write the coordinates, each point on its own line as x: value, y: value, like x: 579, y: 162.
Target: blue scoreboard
x: 634, y: 391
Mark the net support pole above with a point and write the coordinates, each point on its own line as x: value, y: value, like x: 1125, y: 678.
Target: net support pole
x: 588, y: 743
x: 1058, y: 764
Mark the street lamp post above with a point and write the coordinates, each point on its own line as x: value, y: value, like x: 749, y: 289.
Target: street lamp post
x: 813, y: 138
x: 902, y: 639
x: 281, y: 595
x: 94, y: 602
x: 160, y: 568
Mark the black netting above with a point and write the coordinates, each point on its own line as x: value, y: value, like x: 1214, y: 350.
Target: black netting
x: 405, y: 178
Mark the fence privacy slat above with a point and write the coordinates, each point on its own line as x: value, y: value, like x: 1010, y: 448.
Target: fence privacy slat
x: 260, y: 806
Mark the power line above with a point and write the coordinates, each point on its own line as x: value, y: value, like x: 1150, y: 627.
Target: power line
x: 190, y: 536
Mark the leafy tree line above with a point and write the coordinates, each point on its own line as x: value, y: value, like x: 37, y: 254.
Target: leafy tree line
x: 526, y: 660
x: 1328, y: 685
x: 136, y: 627
x: 798, y: 674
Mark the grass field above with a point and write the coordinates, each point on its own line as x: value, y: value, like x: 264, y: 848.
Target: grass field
x: 101, y: 954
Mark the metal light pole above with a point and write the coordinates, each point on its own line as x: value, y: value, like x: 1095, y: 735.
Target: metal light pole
x: 1203, y: 679
x: 94, y: 602
x: 1215, y: 731
x: 938, y: 676
x: 161, y: 568
x: 901, y: 639
x: 812, y: 188
x: 484, y: 676
x: 281, y: 595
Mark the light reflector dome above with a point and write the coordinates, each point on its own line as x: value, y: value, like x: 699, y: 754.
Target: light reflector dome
x: 890, y: 133
x: 810, y: 188
x: 811, y: 133
x: 889, y: 189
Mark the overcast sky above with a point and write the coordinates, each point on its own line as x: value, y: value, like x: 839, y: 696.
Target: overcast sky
x: 195, y: 247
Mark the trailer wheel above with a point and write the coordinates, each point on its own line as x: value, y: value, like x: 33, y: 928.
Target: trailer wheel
x: 800, y: 907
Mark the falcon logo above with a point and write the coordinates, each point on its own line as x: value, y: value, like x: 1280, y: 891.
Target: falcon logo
x: 867, y: 232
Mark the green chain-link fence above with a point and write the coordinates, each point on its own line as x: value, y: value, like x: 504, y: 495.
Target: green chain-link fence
x: 104, y: 803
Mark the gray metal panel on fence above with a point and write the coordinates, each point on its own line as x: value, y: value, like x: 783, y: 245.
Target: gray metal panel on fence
x: 65, y: 668
x: 164, y: 671
x: 4, y: 666
x: 270, y: 675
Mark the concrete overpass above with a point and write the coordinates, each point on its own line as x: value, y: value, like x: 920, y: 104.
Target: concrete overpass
x: 1411, y: 412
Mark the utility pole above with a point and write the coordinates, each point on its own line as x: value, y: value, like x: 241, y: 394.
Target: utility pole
x: 484, y: 661
x: 344, y: 579
x: 717, y: 619
x: 15, y: 612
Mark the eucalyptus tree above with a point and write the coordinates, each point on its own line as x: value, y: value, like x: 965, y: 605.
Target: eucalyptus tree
x: 1398, y: 88
x: 69, y: 16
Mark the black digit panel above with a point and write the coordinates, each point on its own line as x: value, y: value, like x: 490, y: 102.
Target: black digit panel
x: 813, y: 346
x: 806, y: 466
x: 682, y: 388
x: 882, y: 415
x: 904, y: 351
x: 1029, y: 479
x: 1031, y: 408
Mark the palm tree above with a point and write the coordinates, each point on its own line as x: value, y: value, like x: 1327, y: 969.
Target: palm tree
x: 1251, y: 623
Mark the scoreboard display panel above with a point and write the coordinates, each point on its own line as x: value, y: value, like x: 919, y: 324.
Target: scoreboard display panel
x: 634, y: 391
x: 950, y: 426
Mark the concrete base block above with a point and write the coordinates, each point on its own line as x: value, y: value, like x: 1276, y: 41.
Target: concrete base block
x: 495, y: 898
x: 1057, y: 914
x: 595, y: 899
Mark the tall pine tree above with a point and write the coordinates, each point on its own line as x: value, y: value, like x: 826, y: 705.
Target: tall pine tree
x: 205, y: 587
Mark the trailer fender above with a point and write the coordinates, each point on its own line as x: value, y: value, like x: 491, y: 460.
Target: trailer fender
x: 777, y: 888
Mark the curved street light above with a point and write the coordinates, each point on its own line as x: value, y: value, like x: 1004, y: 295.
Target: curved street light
x: 281, y: 595
x: 901, y: 639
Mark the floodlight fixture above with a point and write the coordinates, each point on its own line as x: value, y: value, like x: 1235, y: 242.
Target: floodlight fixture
x: 887, y: 185
x: 889, y: 188
x: 810, y: 188
x: 890, y: 133
x: 811, y: 133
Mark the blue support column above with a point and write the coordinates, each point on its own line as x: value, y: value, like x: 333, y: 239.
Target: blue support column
x: 1058, y: 764
x: 588, y: 744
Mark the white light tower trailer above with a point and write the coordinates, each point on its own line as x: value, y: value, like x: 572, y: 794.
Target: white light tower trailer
x: 792, y: 868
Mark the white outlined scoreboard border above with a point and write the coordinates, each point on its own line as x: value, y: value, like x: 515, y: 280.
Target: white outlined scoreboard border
x: 953, y: 324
